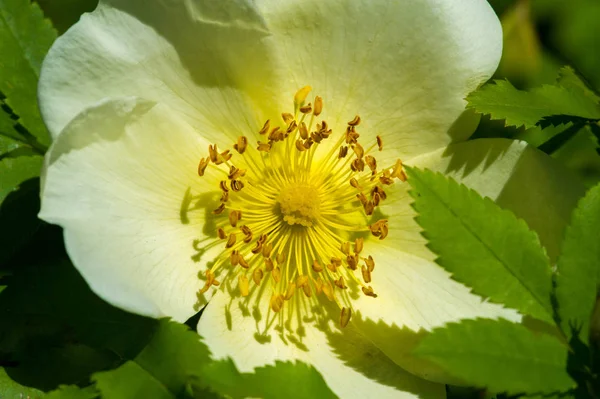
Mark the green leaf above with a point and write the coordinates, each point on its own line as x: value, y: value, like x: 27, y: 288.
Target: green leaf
x: 10, y: 389
x: 161, y: 370
x: 25, y: 37
x: 568, y: 78
x: 578, y: 262
x: 15, y: 171
x: 177, y: 363
x: 482, y: 245
x: 284, y: 380
x: 499, y: 355
x: 73, y: 392
x: 526, y: 108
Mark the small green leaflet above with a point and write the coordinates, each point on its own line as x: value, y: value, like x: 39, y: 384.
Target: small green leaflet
x: 25, y: 37
x: 499, y: 355
x: 579, y: 267
x: 12, y: 389
x: 14, y: 171
x: 518, y: 108
x: 482, y: 245
x: 177, y: 364
x: 73, y: 392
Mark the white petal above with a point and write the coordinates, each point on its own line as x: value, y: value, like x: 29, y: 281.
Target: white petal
x: 116, y: 180
x: 202, y: 59
x: 404, y: 66
x: 349, y: 364
x: 416, y: 294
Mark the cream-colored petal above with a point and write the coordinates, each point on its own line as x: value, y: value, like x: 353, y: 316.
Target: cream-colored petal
x: 349, y: 364
x: 204, y: 59
x: 404, y: 66
x: 118, y: 180
x: 416, y: 294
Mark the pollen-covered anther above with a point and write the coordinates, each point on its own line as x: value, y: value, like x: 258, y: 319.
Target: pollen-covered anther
x: 345, y: 316
x: 380, y: 228
x: 243, y: 262
x: 234, y: 258
x: 241, y: 145
x: 202, y: 165
x: 358, y: 245
x: 289, y: 292
x: 371, y: 163
x: 343, y: 152
x: 276, y: 302
x: 358, y: 165
x: 340, y: 283
x: 398, y: 171
x: 234, y: 217
x: 266, y: 250
x: 301, y: 95
x: 257, y: 248
x: 236, y: 185
x: 303, y: 130
x: 345, y: 248
x: 210, y: 281
x: 379, y: 143
x: 221, y: 233
x: 230, y: 241
x: 268, y: 265
x: 368, y: 291
x: 306, y: 109
x: 366, y: 274
x: 219, y: 210
x: 276, y: 273
x: 257, y: 276
x: 264, y: 147
x: 355, y: 121
x: 352, y: 261
x: 317, y: 267
x: 370, y: 262
x: 287, y: 117
x: 265, y: 127
x: 354, y: 183
x: 318, y: 106
x: 235, y: 173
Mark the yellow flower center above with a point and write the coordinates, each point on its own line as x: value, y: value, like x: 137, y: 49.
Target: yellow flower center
x: 299, y: 203
x: 294, y: 221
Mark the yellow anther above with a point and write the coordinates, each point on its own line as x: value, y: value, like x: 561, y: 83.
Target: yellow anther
x: 371, y: 163
x: 223, y: 185
x: 235, y: 173
x: 267, y: 248
x: 376, y: 199
x: 243, y: 262
x: 243, y: 285
x: 289, y: 293
x: 300, y: 145
x: 328, y: 291
x: 368, y: 291
x: 240, y: 146
x: 316, y: 266
x: 213, y: 153
x: 224, y: 196
x: 370, y: 262
x: 337, y: 262
x: 265, y: 147
x: 340, y: 283
x: 354, y: 183
x: 358, y: 165
x: 301, y: 281
x: 257, y: 248
x: 380, y: 228
x: 303, y: 130
x: 345, y: 316
x: 225, y: 156
x: 265, y: 127
x: 378, y: 190
x: 358, y: 245
x: 358, y: 149
x: 352, y: 261
x: 263, y: 238
x: 318, y: 106
x: 219, y: 210
x: 257, y: 276
x: 366, y: 274
x: 276, y: 302
x: 230, y: 241
x: 300, y: 96
x: 287, y: 117
x: 281, y: 258
x: 236, y: 185
x: 307, y: 291
x: 306, y: 109
x: 202, y: 165
x: 234, y: 217
x: 234, y: 258
x: 369, y: 208
x: 276, y: 273
x: 355, y: 121
x: 380, y: 143
x: 331, y: 267
x: 268, y: 264
x: 343, y: 151
x: 221, y: 233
